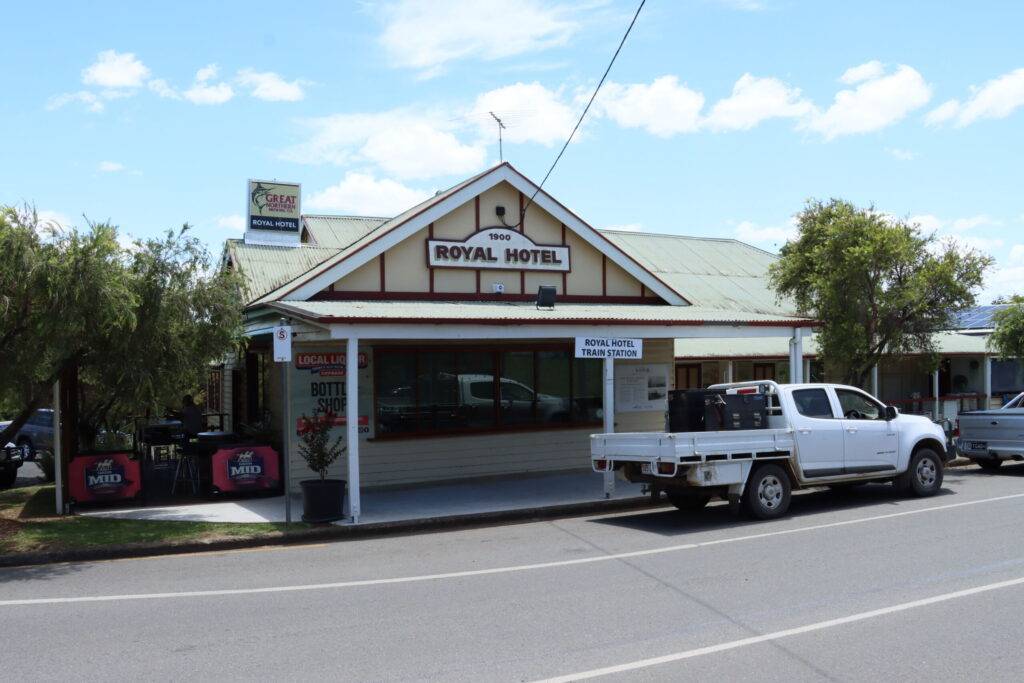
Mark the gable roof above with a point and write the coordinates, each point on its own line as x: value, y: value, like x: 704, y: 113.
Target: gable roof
x: 265, y: 267
x: 393, y: 231
x: 708, y: 271
x: 337, y: 232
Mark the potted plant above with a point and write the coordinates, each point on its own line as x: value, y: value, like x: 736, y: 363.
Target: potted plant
x: 323, y: 499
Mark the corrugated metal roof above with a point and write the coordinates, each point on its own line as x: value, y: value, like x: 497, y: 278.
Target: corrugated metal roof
x: 707, y: 271
x: 368, y: 237
x: 512, y: 312
x: 946, y: 343
x: 265, y: 267
x: 338, y: 232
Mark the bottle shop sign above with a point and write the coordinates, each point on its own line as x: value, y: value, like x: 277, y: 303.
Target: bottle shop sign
x: 498, y: 248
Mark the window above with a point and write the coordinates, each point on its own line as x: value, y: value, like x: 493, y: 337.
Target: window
x: 813, y: 403
x: 857, y: 406
x: 451, y: 390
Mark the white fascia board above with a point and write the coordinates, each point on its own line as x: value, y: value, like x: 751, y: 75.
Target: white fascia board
x: 469, y: 332
x: 375, y: 248
x: 502, y: 173
x: 592, y: 237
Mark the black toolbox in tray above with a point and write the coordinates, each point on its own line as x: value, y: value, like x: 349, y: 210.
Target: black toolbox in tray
x: 700, y: 410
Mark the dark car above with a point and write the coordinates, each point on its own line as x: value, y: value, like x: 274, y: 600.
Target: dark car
x: 10, y: 461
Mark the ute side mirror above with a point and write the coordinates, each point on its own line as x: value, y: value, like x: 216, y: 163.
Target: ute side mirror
x: 891, y: 412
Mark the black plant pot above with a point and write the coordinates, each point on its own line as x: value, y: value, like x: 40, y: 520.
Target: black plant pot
x: 323, y: 500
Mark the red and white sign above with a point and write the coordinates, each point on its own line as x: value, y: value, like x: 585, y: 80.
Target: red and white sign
x: 326, y: 364
x: 497, y: 249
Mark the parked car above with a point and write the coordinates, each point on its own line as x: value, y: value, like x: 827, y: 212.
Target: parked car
x: 990, y: 437
x: 814, y: 435
x: 36, y: 434
x: 10, y: 461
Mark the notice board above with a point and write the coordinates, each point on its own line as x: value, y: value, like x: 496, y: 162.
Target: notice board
x: 641, y: 387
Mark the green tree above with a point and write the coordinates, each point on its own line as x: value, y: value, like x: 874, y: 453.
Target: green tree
x: 1008, y: 336
x: 62, y: 295
x: 187, y: 314
x: 879, y: 286
x: 141, y: 324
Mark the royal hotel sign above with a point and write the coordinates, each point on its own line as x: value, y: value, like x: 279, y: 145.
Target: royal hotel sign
x: 498, y: 249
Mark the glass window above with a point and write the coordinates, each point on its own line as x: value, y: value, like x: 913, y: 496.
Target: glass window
x: 518, y: 402
x: 812, y: 403
x: 857, y: 406
x: 450, y: 390
x: 396, y: 394
x: 554, y: 386
x: 587, y: 378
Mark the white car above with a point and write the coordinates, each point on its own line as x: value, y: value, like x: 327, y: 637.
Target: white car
x: 816, y: 434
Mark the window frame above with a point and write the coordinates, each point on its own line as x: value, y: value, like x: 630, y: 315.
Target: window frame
x: 496, y: 351
x: 828, y: 399
x: 866, y: 397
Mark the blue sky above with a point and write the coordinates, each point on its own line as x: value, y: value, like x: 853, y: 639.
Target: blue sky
x: 720, y: 118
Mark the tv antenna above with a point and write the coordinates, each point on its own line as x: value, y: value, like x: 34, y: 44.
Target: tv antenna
x: 501, y: 127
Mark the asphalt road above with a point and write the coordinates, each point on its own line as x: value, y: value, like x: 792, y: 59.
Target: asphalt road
x: 863, y: 585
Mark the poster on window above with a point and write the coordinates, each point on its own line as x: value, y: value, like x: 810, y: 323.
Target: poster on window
x: 641, y: 387
x: 318, y: 390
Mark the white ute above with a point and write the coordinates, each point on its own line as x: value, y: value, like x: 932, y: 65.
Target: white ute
x: 817, y: 435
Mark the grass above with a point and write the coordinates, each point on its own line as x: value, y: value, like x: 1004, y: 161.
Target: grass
x: 28, y: 524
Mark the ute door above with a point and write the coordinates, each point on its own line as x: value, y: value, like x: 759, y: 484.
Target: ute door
x: 818, y: 433
x: 870, y: 442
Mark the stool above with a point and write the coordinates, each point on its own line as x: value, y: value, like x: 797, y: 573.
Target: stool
x: 186, y: 472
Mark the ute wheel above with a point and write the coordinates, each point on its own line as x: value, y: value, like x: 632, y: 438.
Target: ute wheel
x: 688, y: 502
x: 989, y: 464
x: 768, y: 492
x: 923, y: 476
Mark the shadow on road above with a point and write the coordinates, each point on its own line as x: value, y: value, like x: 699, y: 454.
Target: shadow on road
x: 812, y: 502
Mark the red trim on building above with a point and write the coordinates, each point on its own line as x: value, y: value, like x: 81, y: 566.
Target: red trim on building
x: 478, y: 296
x: 604, y: 275
x: 430, y: 235
x: 383, y: 276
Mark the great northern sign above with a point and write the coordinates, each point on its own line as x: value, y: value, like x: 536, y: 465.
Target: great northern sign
x: 497, y: 249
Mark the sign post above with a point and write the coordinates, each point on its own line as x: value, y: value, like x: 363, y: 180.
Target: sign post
x: 608, y: 349
x: 283, y: 355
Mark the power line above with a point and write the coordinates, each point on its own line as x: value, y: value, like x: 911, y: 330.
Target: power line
x: 615, y: 56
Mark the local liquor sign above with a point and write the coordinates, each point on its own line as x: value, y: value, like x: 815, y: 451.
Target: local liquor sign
x: 497, y: 249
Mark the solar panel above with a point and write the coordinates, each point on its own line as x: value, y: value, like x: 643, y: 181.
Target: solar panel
x: 977, y: 318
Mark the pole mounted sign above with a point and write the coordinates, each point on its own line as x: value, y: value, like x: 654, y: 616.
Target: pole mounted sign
x: 283, y: 344
x: 609, y: 347
x: 499, y: 249
x: 274, y: 206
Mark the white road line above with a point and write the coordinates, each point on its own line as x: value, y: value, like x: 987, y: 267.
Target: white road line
x: 495, y: 570
x: 776, y: 635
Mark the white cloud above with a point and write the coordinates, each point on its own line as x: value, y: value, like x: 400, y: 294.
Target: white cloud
x: 663, y: 108
x: 942, y: 113
x: 428, y: 34
x: 531, y: 112
x: 996, y: 99
x: 754, y: 100
x: 901, y: 154
x: 1007, y: 276
x: 115, y: 70
x: 91, y: 101
x: 766, y: 235
x: 234, y: 222
x: 864, y: 72
x: 49, y: 221
x: 363, y: 194
x: 874, y: 104
x: 205, y: 92
x: 161, y: 88
x: 932, y: 223
x: 110, y: 167
x: 403, y: 143
x: 269, y: 86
